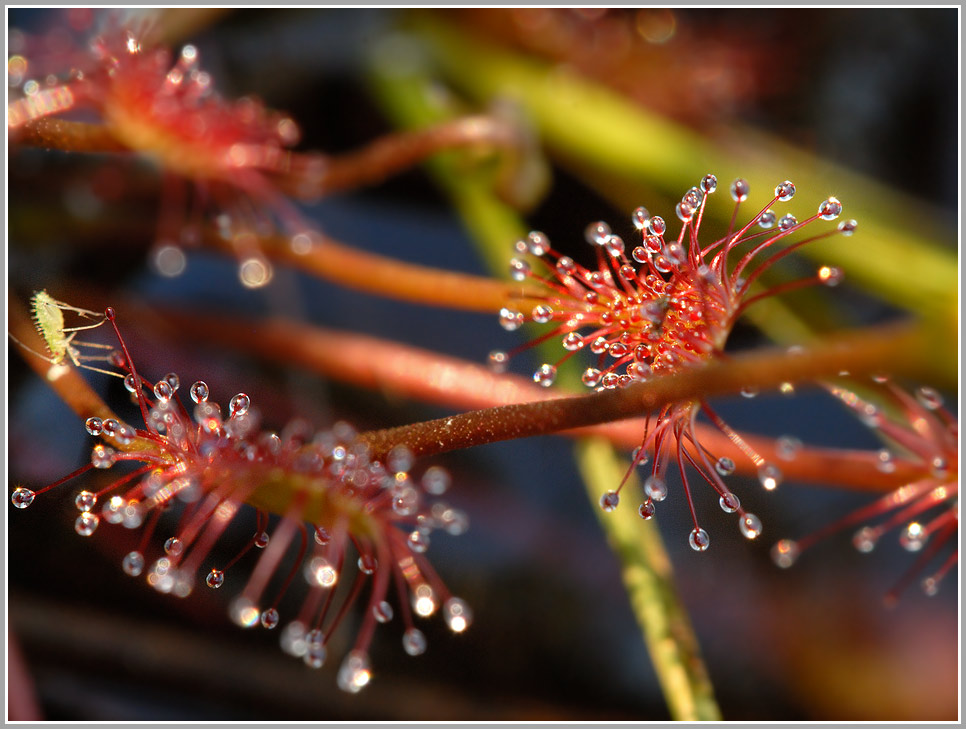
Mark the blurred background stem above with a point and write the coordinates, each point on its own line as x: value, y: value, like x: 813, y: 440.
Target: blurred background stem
x: 617, y: 145
x: 410, y: 100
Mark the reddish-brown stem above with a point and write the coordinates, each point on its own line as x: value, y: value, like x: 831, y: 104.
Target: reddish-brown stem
x: 67, y: 136
x: 312, y: 176
x: 429, y: 376
x: 306, y: 176
x: 857, y: 352
x: 66, y: 381
x: 393, y: 278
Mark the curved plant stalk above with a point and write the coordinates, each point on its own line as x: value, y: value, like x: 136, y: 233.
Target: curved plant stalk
x: 67, y: 136
x: 308, y: 176
x: 64, y: 379
x: 406, y: 371
x: 389, y: 154
x: 858, y: 352
x: 508, y: 406
x: 406, y: 98
x: 649, y: 578
x: 593, y: 129
x: 375, y: 274
x: 327, y: 257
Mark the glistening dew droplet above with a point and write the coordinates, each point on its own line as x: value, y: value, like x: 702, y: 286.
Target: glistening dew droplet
x: 724, y: 466
x: 597, y: 233
x: 382, y: 612
x: 239, y: 404
x: 640, y: 218
x: 609, y: 501
x: 319, y: 572
x: 215, y: 579
x: 457, y: 614
x: 929, y: 398
x: 739, y: 190
x: 699, y: 539
x: 511, y: 319
x: 85, y: 501
x: 541, y: 314
x: 913, y: 537
x: 784, y: 553
x: 729, y: 502
x: 830, y: 275
x: 537, y: 243
x: 519, y: 269
x: 269, y: 618
x: 163, y: 390
x: 86, y: 524
x: 497, y: 361
x: 400, y: 459
x: 847, y: 227
x: 885, y: 461
x: 199, y: 392
x: 414, y: 642
x: 424, y: 600
x: 655, y: 488
x: 865, y: 539
x: 787, y: 447
x: 22, y: 497
x: 243, y: 612
x: 173, y: 547
x: 254, y: 272
x: 545, y: 375
x: 830, y: 209
x: 750, y: 526
x: 355, y: 672
x: 436, y: 480
x: 770, y: 476
x: 418, y: 541
x: 133, y: 564
x: 785, y: 191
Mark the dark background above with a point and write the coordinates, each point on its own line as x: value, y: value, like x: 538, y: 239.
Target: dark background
x: 554, y: 637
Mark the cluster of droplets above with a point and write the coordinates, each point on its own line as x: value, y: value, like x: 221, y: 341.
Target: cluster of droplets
x: 925, y: 509
x: 196, y: 134
x: 165, y: 107
x: 659, y: 307
x: 656, y: 486
x: 339, y: 500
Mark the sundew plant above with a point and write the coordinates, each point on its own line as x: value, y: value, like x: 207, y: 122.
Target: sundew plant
x: 482, y: 364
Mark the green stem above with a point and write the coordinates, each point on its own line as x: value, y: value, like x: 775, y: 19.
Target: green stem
x: 607, y: 137
x: 649, y: 579
x: 495, y: 226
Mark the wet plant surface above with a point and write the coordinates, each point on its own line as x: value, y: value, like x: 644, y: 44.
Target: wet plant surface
x: 553, y: 634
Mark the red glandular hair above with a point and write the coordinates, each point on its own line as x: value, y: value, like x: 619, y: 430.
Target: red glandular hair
x: 925, y: 511
x: 166, y: 109
x: 665, y: 306
x: 342, y: 512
